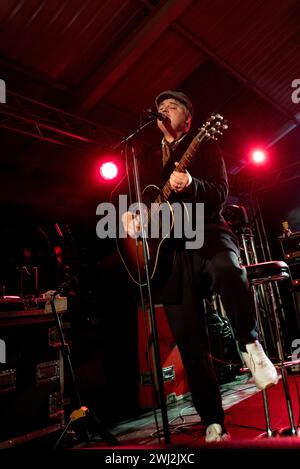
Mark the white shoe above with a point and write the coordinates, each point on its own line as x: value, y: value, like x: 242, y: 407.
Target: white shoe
x: 214, y: 432
x: 262, y: 369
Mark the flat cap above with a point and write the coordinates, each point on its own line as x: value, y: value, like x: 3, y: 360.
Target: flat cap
x: 178, y: 95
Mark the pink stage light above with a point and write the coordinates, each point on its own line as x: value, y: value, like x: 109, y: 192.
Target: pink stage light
x: 258, y: 156
x: 108, y: 170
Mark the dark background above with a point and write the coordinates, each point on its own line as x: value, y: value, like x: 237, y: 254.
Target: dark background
x: 78, y: 76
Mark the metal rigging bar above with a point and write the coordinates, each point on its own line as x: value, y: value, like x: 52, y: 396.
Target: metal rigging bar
x: 281, y: 176
x: 39, y: 120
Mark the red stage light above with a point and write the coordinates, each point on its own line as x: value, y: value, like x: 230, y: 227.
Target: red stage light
x: 258, y: 156
x: 108, y: 170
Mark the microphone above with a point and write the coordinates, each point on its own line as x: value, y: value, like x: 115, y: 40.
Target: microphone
x: 158, y: 115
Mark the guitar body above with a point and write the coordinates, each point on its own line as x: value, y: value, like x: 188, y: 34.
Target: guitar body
x: 132, y: 253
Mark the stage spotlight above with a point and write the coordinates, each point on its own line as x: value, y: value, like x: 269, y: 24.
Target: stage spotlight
x: 258, y: 156
x: 108, y: 170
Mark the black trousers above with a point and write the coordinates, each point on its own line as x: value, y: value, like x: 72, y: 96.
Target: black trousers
x: 187, y: 322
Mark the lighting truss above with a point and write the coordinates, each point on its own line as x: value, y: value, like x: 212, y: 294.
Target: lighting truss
x: 38, y: 120
x: 272, y: 179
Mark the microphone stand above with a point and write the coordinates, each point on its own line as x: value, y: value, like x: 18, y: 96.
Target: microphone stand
x: 157, y: 357
x: 81, y: 411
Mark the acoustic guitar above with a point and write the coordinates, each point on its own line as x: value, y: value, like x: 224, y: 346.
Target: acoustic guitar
x: 130, y: 248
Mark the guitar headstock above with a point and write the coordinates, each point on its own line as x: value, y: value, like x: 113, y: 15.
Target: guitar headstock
x: 214, y: 126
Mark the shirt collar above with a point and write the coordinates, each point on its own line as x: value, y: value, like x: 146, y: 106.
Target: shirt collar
x: 174, y: 143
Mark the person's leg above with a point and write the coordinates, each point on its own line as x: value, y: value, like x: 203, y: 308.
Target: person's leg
x: 230, y: 280
x: 187, y: 323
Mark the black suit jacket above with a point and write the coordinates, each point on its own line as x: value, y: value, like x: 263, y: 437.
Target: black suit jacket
x: 209, y: 186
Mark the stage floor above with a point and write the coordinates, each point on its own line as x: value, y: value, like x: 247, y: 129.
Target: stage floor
x: 141, y: 441
x: 244, y: 417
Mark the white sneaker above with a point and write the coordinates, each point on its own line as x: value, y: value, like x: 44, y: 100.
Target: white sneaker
x: 262, y: 369
x: 214, y: 432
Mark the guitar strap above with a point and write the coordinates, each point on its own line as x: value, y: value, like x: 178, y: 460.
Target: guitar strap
x: 166, y: 149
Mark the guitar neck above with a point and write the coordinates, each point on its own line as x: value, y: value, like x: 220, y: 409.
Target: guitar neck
x: 183, y: 165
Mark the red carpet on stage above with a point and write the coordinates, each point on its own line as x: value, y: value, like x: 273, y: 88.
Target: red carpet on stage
x: 245, y: 422
x: 246, y: 419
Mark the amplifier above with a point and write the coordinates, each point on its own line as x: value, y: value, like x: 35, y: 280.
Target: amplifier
x: 175, y: 381
x: 31, y: 379
x: 11, y: 303
x: 295, y: 272
x: 290, y: 246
